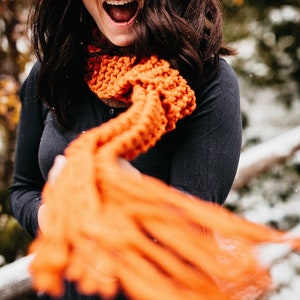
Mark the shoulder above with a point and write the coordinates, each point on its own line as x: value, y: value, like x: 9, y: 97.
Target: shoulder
x: 222, y: 87
x: 33, y: 74
x: 226, y: 77
x: 224, y: 68
x: 29, y: 86
x: 218, y: 98
x: 29, y: 96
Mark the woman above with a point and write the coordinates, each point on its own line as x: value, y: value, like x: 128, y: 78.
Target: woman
x: 199, y: 157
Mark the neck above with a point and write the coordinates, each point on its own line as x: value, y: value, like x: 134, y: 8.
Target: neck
x: 115, y: 103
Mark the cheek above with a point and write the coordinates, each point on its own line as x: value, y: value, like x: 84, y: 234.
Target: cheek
x: 94, y: 8
x: 88, y: 5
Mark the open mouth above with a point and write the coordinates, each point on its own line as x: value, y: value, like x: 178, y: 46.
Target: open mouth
x: 121, y: 11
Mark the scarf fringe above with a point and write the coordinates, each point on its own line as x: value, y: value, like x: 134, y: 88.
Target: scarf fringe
x: 110, y: 230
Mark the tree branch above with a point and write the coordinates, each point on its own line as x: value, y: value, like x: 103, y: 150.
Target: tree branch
x: 257, y: 160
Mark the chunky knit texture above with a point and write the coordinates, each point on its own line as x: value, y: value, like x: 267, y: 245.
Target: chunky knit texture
x: 110, y: 230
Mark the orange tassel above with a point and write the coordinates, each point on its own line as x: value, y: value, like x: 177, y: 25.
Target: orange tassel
x: 109, y: 229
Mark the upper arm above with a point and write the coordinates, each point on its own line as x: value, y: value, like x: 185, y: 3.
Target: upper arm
x: 27, y: 179
x: 206, y: 160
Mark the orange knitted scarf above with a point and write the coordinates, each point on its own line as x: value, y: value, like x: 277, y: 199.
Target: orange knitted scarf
x: 109, y: 230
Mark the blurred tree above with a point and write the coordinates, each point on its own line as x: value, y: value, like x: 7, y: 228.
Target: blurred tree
x: 266, y: 34
x: 15, y: 52
x: 9, y: 116
x: 14, y: 46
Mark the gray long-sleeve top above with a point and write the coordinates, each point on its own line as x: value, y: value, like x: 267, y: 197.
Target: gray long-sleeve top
x: 199, y: 157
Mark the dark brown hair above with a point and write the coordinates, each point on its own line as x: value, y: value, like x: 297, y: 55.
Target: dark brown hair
x: 187, y: 33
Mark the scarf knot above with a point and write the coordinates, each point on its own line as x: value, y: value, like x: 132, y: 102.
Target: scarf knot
x: 116, y: 77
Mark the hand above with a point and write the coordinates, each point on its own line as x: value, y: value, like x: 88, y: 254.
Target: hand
x: 42, y: 216
x: 126, y: 165
x: 59, y: 162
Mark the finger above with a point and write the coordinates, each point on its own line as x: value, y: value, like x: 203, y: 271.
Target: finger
x: 42, y: 216
x: 58, y: 164
x: 125, y: 165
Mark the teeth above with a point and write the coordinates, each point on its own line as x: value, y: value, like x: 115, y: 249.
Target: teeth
x: 120, y: 2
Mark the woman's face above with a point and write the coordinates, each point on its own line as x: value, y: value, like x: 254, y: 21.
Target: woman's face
x: 115, y: 18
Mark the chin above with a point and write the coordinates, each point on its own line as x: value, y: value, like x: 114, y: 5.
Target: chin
x: 121, y: 42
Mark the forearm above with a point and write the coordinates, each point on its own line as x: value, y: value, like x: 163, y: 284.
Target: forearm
x: 25, y: 205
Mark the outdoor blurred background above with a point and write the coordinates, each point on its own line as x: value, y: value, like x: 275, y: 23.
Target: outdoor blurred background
x: 266, y: 34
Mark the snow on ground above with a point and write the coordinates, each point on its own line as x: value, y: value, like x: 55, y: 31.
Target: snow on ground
x: 272, y: 198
